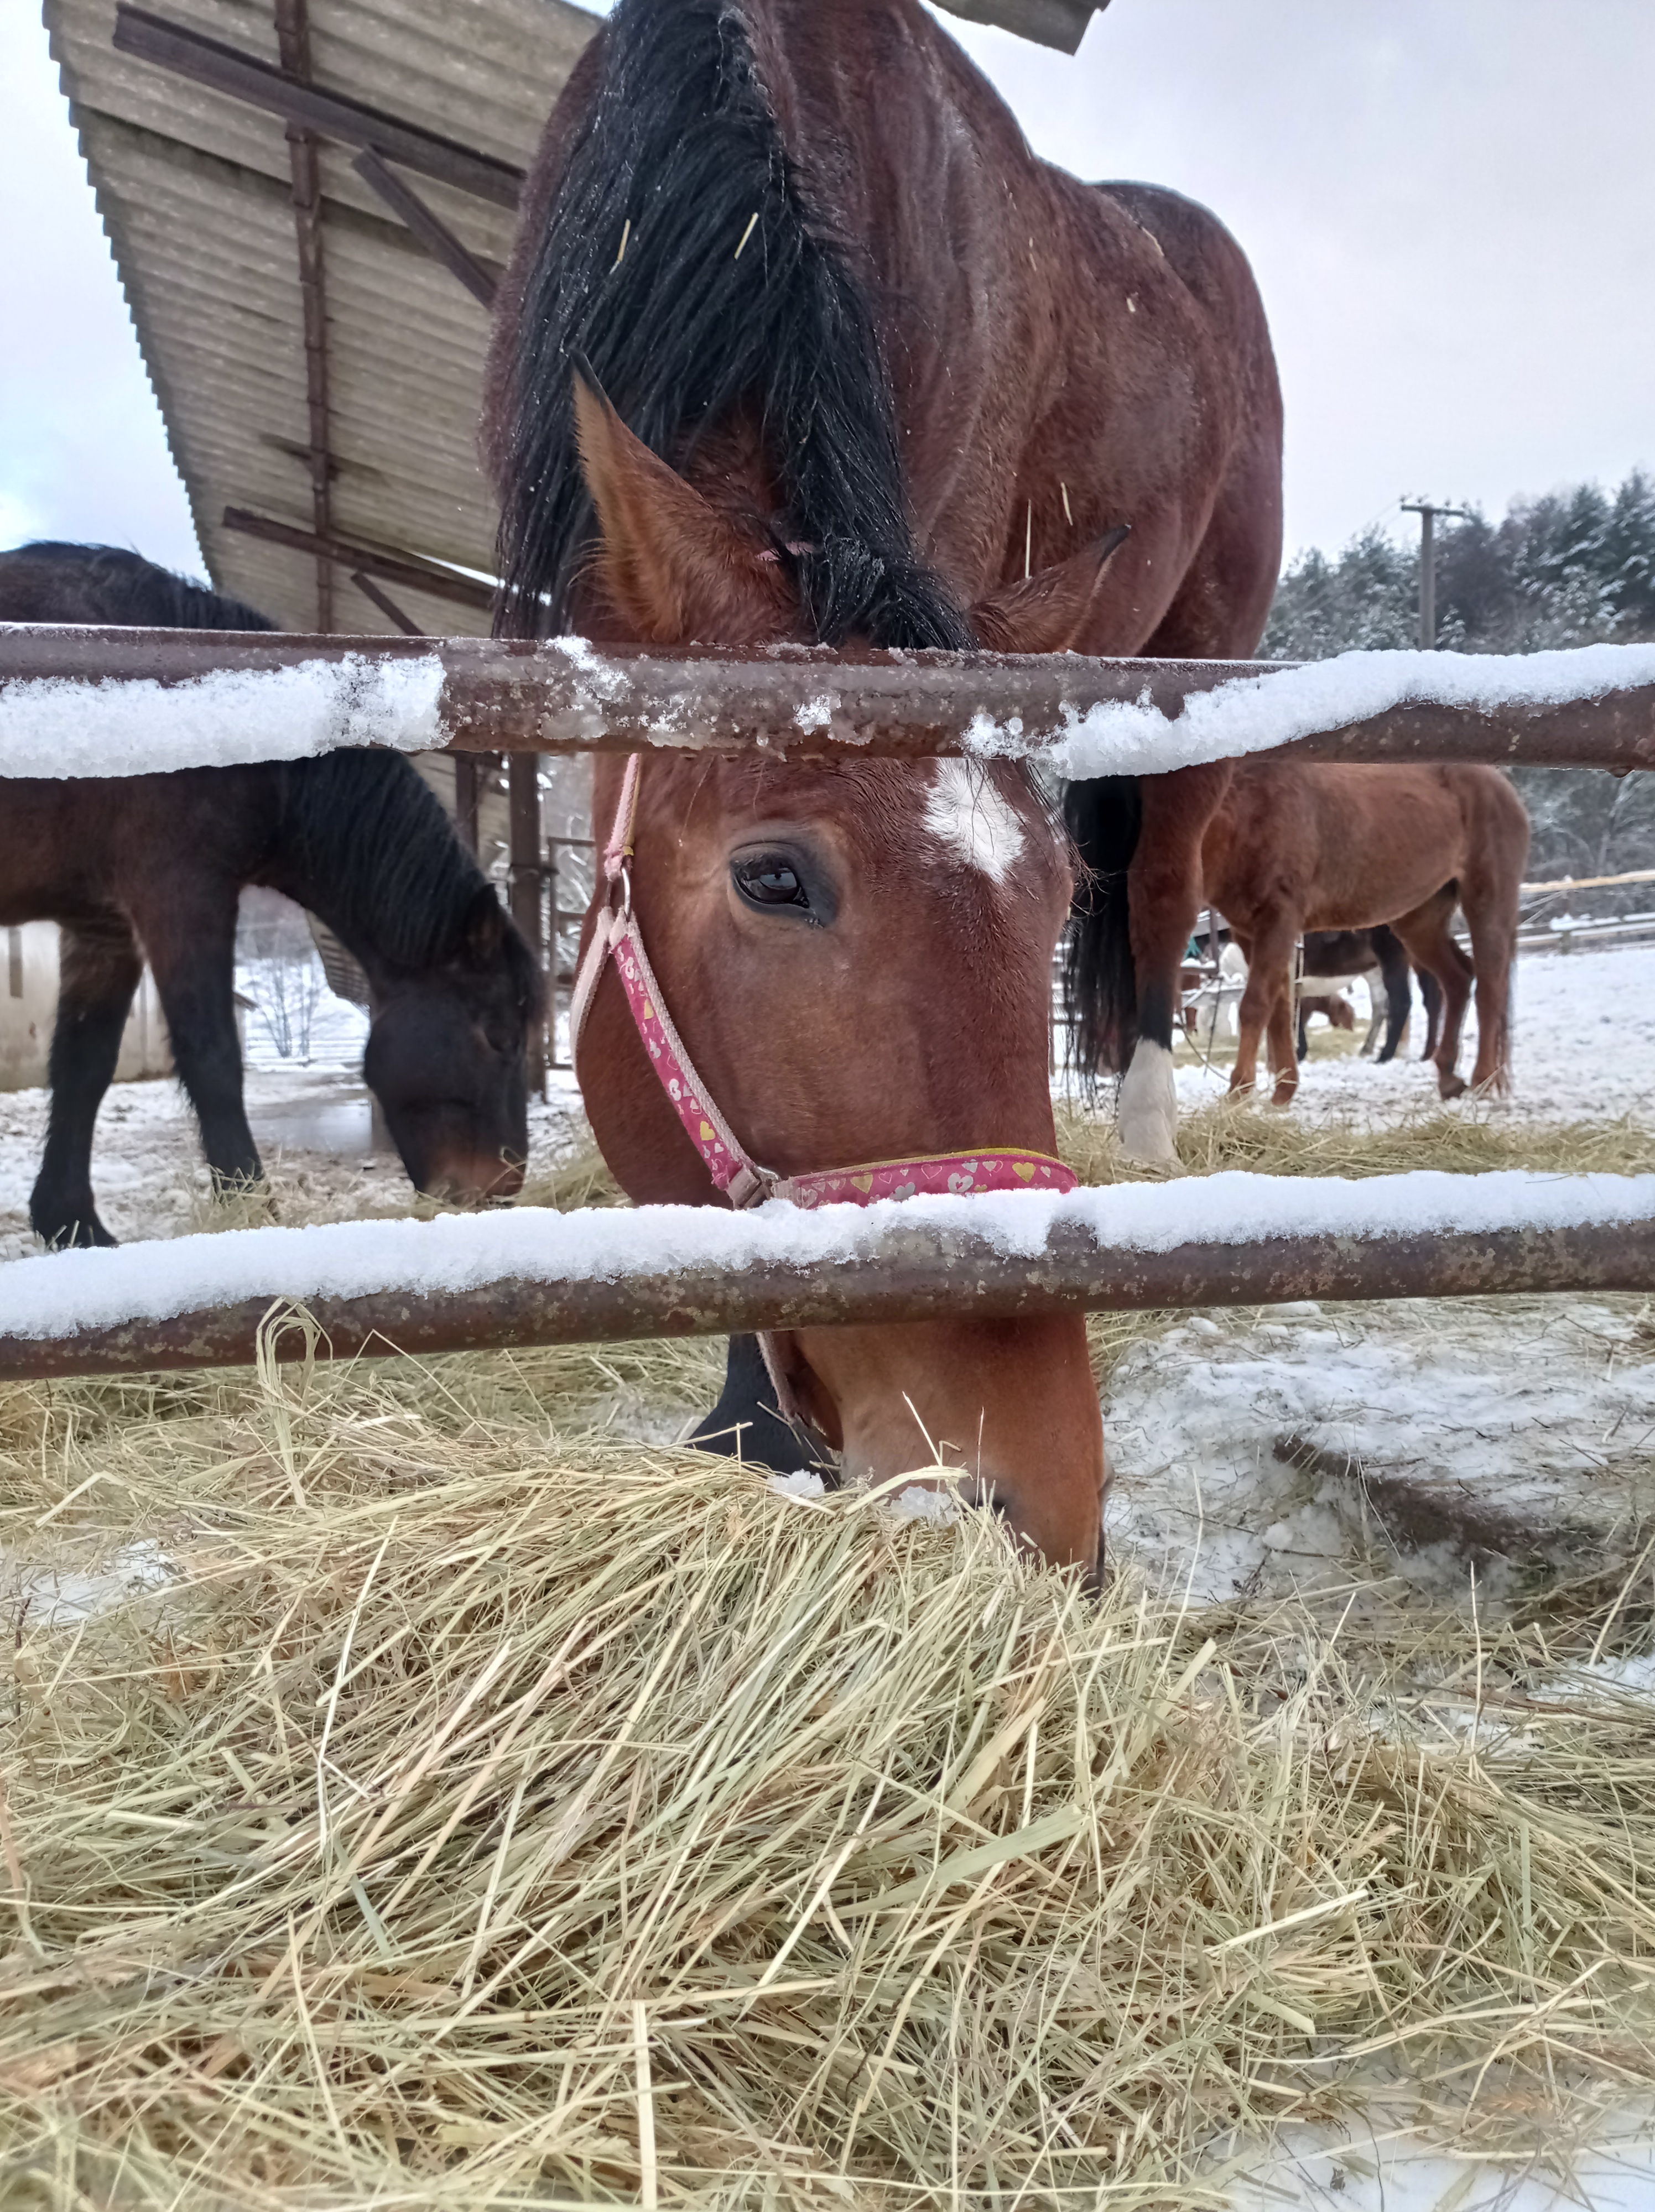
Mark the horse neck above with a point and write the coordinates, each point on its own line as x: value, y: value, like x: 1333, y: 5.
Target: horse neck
x: 364, y: 846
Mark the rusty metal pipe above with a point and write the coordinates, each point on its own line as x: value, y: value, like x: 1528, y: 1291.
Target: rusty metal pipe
x: 914, y: 1276
x: 504, y: 696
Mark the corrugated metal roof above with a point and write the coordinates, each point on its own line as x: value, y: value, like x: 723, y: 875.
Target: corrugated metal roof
x: 195, y: 189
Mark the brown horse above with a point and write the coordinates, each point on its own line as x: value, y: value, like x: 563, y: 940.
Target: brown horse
x: 878, y: 376
x: 1298, y: 846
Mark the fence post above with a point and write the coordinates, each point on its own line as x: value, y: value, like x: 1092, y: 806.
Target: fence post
x: 523, y: 788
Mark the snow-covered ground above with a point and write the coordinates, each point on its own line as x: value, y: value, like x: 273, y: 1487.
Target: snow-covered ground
x: 1584, y: 1050
x: 1257, y: 1452
x: 313, y: 1126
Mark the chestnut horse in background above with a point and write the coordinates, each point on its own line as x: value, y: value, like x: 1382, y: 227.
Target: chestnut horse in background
x: 878, y: 376
x: 1299, y: 846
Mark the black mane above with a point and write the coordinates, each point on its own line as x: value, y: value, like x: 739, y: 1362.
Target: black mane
x: 679, y: 152
x: 55, y: 582
x: 379, y: 858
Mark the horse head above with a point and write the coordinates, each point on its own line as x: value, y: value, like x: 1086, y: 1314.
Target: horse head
x: 857, y: 957
x: 445, y: 1058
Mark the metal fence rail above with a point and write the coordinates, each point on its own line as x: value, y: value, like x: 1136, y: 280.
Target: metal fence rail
x: 908, y: 1273
x: 799, y: 703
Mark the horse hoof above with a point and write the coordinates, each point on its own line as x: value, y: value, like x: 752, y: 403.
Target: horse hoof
x: 1452, y: 1086
x: 1161, y: 1164
x: 84, y: 1234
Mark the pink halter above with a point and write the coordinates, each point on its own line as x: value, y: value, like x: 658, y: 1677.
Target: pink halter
x: 729, y: 1164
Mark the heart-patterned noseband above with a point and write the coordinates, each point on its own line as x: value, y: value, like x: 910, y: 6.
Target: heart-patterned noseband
x: 732, y: 1169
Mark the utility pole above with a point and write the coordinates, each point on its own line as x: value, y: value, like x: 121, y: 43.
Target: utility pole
x: 1427, y: 514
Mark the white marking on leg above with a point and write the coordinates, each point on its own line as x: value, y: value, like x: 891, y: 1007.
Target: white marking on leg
x: 967, y: 814
x: 1146, y: 1112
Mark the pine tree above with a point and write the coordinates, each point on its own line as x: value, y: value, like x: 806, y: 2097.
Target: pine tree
x: 1576, y: 567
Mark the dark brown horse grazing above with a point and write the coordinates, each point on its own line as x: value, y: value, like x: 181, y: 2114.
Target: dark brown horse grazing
x: 149, y: 867
x: 880, y: 376
x: 1298, y: 846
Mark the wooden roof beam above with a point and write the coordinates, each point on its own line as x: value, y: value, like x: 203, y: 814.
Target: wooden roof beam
x: 411, y: 570
x: 481, y: 278
x: 225, y: 68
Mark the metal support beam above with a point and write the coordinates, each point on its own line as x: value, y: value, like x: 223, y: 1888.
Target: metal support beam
x: 503, y: 695
x: 529, y: 871
x: 293, y: 36
x: 224, y: 69
x: 412, y: 570
x: 481, y: 279
x: 910, y: 1276
x: 387, y: 605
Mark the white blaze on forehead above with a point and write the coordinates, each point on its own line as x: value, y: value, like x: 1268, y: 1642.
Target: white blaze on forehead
x: 967, y: 816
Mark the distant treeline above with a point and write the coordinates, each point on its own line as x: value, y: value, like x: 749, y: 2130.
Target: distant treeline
x: 1577, y: 567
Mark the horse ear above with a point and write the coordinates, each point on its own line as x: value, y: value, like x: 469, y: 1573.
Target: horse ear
x: 1046, y: 613
x: 674, y: 567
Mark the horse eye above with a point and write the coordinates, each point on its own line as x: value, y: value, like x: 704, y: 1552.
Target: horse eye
x: 768, y: 879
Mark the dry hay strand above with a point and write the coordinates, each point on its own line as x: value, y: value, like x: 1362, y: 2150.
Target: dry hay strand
x: 1471, y: 1140
x: 480, y: 1814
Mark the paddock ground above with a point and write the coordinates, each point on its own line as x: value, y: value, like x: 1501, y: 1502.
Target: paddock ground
x: 1428, y: 1519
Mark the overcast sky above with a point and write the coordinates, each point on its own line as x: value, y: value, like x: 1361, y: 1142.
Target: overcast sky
x: 1450, y: 205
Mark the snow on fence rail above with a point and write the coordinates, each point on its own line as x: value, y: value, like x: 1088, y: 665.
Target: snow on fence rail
x: 530, y: 1277
x: 83, y: 702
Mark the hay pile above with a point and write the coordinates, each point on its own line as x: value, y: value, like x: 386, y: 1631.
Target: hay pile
x: 485, y: 1812
x: 1470, y: 1140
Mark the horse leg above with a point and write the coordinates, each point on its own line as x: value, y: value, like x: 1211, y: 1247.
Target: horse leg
x: 748, y: 1422
x: 1280, y: 1042
x: 192, y: 948
x: 1379, y: 1012
x: 1430, y: 941
x: 1270, y: 965
x: 1490, y: 906
x: 1163, y: 900
x: 99, y: 972
x: 1396, y: 989
x: 1431, y: 999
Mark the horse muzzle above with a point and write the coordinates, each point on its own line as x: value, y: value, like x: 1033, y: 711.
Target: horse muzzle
x: 1005, y: 1412
x: 473, y: 1179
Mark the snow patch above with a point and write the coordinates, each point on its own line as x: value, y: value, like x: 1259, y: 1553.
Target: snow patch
x: 1253, y: 713
x: 969, y: 819
x: 1256, y: 1458
x: 937, y: 1508
x: 133, y: 726
x: 803, y: 1482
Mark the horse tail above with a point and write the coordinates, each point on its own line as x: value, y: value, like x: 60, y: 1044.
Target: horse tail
x: 1100, y: 986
